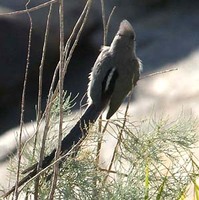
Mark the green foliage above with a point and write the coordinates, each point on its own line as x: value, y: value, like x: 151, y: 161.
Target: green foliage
x: 68, y: 103
x: 154, y: 161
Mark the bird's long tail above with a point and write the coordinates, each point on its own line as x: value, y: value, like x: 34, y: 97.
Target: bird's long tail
x: 77, y: 133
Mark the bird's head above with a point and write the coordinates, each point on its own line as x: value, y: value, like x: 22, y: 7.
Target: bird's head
x: 125, y: 36
x: 126, y: 30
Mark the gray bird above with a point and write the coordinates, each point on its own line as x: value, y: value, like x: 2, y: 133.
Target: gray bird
x: 114, y: 74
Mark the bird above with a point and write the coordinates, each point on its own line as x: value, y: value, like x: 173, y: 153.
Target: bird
x: 114, y: 74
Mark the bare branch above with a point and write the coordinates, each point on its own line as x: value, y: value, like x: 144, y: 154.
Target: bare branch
x: 23, y: 106
x: 30, y: 9
x: 61, y: 83
x: 157, y: 73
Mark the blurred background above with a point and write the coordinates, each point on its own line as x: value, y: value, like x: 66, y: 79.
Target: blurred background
x: 167, y: 36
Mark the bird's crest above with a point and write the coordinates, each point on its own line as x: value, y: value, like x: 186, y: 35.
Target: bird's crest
x: 125, y: 28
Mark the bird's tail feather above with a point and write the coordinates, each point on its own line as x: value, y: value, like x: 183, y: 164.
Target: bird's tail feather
x: 78, y: 132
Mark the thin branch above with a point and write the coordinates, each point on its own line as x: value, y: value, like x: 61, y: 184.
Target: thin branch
x: 119, y: 139
x: 157, y: 73
x: 30, y: 9
x: 104, y: 22
x: 61, y: 83
x: 42, y: 65
x: 88, y: 6
x: 41, y: 74
x: 23, y: 105
x: 109, y: 19
x: 39, y: 117
x: 113, y: 172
